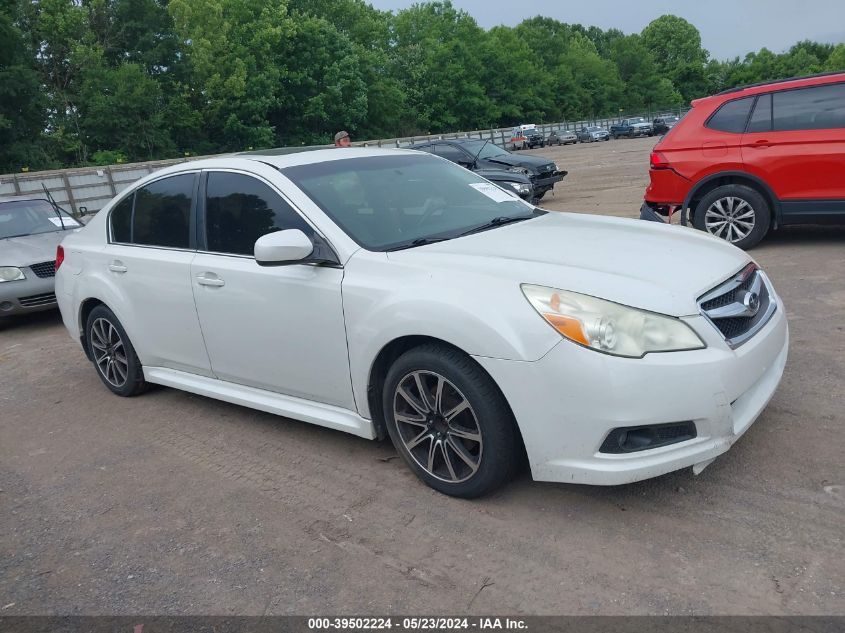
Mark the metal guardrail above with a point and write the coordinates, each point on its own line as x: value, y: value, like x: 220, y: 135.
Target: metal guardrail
x: 93, y: 187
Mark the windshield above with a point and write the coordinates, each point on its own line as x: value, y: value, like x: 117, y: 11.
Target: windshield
x: 31, y: 217
x: 483, y: 149
x: 389, y: 202
x: 594, y: 129
x: 639, y: 119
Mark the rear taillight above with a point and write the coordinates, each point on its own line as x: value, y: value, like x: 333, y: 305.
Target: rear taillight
x: 659, y: 161
x: 60, y: 256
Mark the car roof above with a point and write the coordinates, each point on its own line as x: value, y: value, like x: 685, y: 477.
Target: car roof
x: 320, y: 155
x: 779, y: 84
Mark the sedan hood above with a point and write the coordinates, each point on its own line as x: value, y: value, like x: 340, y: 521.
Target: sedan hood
x: 30, y: 249
x: 535, y: 163
x: 661, y: 268
x: 499, y: 175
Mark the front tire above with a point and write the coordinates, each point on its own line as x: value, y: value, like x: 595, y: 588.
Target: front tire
x: 114, y: 357
x: 449, y: 421
x: 736, y: 213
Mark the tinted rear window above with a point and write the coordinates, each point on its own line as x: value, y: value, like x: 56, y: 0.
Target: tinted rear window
x: 121, y: 221
x: 761, y: 119
x: 816, y: 108
x: 732, y: 116
x: 163, y: 211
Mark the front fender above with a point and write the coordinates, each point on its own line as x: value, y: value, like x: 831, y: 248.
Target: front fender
x: 481, y: 316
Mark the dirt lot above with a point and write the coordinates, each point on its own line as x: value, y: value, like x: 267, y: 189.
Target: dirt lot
x: 175, y: 504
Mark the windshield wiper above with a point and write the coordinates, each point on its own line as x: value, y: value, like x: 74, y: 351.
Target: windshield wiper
x: 420, y: 241
x: 497, y: 222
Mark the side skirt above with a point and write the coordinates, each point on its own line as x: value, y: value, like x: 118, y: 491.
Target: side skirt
x: 297, y: 408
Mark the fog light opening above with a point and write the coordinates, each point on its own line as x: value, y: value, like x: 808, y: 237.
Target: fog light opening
x: 640, y: 438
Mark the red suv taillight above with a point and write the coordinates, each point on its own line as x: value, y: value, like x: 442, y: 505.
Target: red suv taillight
x: 60, y: 256
x: 659, y: 161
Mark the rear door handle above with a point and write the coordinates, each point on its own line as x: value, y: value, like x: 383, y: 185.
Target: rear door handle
x: 207, y: 280
x: 761, y: 143
x: 117, y: 267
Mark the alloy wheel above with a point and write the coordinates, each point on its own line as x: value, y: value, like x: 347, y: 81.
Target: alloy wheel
x: 730, y: 218
x: 437, y: 426
x: 109, y: 352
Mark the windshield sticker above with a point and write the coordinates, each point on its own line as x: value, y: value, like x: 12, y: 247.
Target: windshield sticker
x: 493, y: 192
x: 68, y: 222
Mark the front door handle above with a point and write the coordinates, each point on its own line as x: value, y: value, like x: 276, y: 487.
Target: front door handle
x: 117, y: 267
x: 206, y: 280
x: 761, y: 143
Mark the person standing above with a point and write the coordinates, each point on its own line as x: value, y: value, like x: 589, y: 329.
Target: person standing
x: 341, y: 139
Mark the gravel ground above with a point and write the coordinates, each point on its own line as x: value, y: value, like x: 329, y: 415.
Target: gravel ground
x: 171, y: 503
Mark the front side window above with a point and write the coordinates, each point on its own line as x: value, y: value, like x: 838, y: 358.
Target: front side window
x: 816, y: 108
x: 239, y: 209
x: 732, y: 116
x: 163, y: 211
x: 388, y: 202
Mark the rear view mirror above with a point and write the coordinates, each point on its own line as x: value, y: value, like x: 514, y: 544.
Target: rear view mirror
x: 282, y: 247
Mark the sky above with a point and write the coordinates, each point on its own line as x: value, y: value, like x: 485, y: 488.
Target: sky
x: 729, y: 28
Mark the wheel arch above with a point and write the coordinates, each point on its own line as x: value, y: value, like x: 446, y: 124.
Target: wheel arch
x: 85, y: 309
x: 388, y: 354
x: 711, y: 182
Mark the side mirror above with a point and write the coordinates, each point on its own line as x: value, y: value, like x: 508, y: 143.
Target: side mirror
x: 282, y: 247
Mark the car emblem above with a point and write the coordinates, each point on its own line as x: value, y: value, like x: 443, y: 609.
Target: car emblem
x: 751, y: 301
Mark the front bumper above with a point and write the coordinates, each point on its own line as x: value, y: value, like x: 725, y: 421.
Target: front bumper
x: 32, y: 294
x: 567, y: 402
x: 548, y: 182
x: 648, y: 212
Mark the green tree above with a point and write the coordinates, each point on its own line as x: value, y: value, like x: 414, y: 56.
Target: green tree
x: 438, y: 50
x: 124, y: 109
x: 676, y: 47
x: 836, y: 60
x: 644, y: 88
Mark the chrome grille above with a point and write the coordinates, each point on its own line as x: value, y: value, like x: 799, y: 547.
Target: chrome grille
x: 740, y: 306
x: 44, y: 269
x: 35, y: 301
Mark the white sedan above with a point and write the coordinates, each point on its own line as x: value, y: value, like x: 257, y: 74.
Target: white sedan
x: 393, y: 293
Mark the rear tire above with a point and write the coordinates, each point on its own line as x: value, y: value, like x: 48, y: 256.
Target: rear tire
x: 467, y: 453
x: 115, y: 359
x: 735, y: 213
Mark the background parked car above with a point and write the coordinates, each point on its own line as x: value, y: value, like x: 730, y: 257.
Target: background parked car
x: 661, y: 125
x: 636, y: 126
x: 591, y: 134
x: 777, y: 158
x: 534, y: 138
x: 475, y: 154
x: 561, y: 137
x: 30, y: 230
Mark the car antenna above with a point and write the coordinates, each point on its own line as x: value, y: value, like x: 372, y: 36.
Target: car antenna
x: 56, y: 207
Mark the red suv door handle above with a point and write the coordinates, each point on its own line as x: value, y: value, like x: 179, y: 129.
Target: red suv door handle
x: 761, y: 143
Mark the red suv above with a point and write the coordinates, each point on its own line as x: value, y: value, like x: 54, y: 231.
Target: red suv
x: 750, y: 159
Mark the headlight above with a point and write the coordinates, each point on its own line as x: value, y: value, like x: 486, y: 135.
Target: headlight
x: 610, y: 327
x: 10, y: 273
x: 521, y: 188
x: 519, y: 170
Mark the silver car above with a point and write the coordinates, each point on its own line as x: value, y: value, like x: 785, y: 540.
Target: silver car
x: 593, y: 134
x: 30, y: 230
x: 561, y: 137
